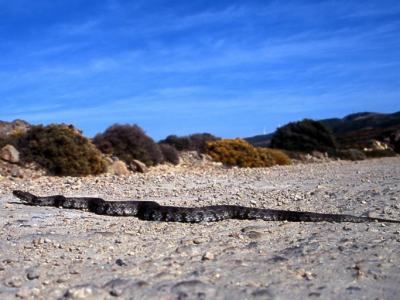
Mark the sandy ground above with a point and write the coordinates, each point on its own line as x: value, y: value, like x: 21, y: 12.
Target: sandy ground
x: 51, y: 253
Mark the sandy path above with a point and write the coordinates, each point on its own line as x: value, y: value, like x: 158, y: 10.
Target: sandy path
x: 50, y: 253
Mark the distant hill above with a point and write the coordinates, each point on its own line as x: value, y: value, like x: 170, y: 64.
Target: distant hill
x: 354, y: 130
x: 262, y: 140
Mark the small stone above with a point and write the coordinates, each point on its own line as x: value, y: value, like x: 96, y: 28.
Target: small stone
x: 208, y: 256
x: 35, y: 292
x: 8, y: 261
x: 120, y: 262
x: 254, y: 234
x: 198, y: 241
x: 63, y: 278
x: 8, y: 205
x: 138, y: 166
x: 116, y: 286
x: 33, y: 273
x: 81, y: 292
x: 252, y: 245
x: 263, y: 293
x: 23, y: 293
x: 118, y: 168
x: 9, y: 153
x: 16, y: 171
x: 14, y: 282
x: 188, y: 250
x: 74, y: 271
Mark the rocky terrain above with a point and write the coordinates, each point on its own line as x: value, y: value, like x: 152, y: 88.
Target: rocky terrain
x: 51, y: 253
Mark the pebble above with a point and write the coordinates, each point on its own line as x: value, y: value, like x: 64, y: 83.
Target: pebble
x: 347, y: 228
x: 74, y: 271
x: 63, y: 278
x: 208, y: 256
x: 33, y: 273
x: 188, y: 250
x: 23, y: 293
x: 254, y: 234
x: 14, y: 282
x: 120, y: 262
x: 87, y: 291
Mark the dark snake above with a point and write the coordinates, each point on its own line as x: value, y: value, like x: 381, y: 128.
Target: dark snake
x: 152, y: 211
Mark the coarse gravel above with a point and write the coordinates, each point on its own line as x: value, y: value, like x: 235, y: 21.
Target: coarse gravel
x: 52, y: 253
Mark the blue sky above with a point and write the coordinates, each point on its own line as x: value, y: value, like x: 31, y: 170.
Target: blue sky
x: 231, y: 68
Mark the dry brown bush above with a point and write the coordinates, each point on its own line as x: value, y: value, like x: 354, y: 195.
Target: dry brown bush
x: 237, y: 152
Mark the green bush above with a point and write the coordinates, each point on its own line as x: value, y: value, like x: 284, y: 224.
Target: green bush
x: 307, y: 135
x: 61, y: 149
x: 129, y: 142
x: 194, y: 142
x: 237, y: 152
x: 170, y: 154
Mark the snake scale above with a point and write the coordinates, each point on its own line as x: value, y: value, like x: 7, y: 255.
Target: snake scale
x: 152, y: 211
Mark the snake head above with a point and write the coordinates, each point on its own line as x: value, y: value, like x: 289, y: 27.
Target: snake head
x: 25, y: 197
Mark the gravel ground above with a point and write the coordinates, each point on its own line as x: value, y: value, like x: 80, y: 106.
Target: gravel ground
x: 51, y: 253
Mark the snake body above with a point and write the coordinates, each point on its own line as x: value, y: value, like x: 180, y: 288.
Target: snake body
x: 152, y: 211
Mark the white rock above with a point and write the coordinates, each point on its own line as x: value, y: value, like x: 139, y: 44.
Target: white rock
x: 10, y: 154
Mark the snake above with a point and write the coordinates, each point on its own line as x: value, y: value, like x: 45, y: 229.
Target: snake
x: 153, y: 211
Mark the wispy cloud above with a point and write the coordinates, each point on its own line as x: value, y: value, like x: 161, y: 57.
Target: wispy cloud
x: 200, y: 63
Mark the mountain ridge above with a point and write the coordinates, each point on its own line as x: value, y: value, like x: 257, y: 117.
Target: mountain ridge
x: 353, y: 130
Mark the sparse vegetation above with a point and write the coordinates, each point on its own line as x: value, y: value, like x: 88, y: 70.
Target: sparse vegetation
x: 278, y: 157
x: 194, y: 142
x: 61, y: 149
x: 11, y: 139
x: 170, y: 154
x: 237, y: 152
x: 129, y: 142
x: 350, y: 154
x: 307, y: 135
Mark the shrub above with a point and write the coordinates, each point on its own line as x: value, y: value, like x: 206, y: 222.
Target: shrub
x: 170, y: 154
x: 278, y: 157
x: 380, y: 153
x: 395, y: 141
x: 306, y: 135
x: 62, y: 150
x: 5, y: 141
x: 179, y: 143
x: 199, y: 141
x: 11, y: 139
x: 350, y: 154
x: 194, y: 142
x: 129, y: 142
x: 237, y: 152
x: 397, y: 146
